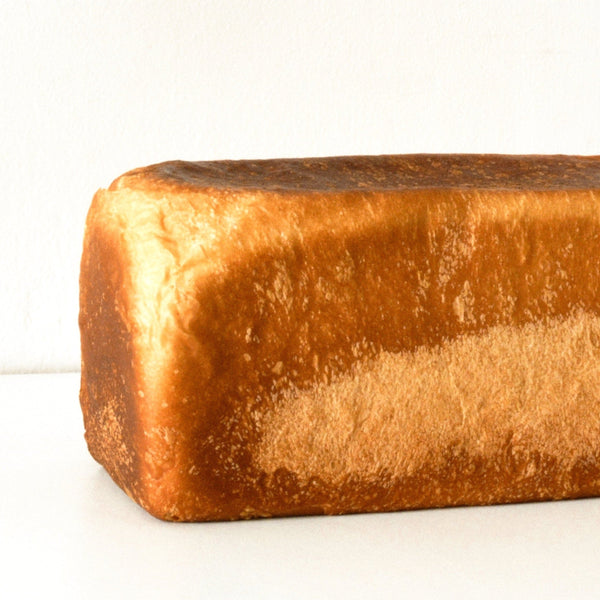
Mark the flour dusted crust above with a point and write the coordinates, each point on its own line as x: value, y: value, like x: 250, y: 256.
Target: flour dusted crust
x: 349, y: 334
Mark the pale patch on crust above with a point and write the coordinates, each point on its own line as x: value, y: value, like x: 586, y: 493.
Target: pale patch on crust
x: 535, y: 388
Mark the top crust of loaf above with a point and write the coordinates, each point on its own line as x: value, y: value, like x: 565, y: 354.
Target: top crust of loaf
x: 375, y: 173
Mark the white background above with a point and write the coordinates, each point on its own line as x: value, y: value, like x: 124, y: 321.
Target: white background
x: 92, y: 89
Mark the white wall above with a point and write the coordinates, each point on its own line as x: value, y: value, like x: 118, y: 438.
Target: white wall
x: 91, y: 89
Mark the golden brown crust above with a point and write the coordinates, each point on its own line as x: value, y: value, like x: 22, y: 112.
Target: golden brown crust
x: 353, y: 334
x: 107, y: 363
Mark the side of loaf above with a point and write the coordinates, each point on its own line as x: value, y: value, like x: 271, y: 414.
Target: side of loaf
x: 337, y: 335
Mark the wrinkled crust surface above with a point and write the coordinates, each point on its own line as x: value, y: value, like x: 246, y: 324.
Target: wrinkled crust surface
x: 309, y: 344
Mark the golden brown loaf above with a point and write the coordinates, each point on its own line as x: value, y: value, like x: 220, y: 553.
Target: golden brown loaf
x: 349, y: 334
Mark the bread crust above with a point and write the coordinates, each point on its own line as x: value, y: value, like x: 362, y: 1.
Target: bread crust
x: 346, y: 334
x: 107, y: 395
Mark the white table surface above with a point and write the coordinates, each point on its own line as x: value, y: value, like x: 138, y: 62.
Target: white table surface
x: 67, y: 531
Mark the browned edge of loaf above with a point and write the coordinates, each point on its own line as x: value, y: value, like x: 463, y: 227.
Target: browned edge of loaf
x: 371, y: 173
x: 113, y: 429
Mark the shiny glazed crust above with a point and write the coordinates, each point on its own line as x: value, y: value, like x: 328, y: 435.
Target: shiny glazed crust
x: 348, y: 334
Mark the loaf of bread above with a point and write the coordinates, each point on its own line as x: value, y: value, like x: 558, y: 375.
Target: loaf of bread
x: 350, y: 334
